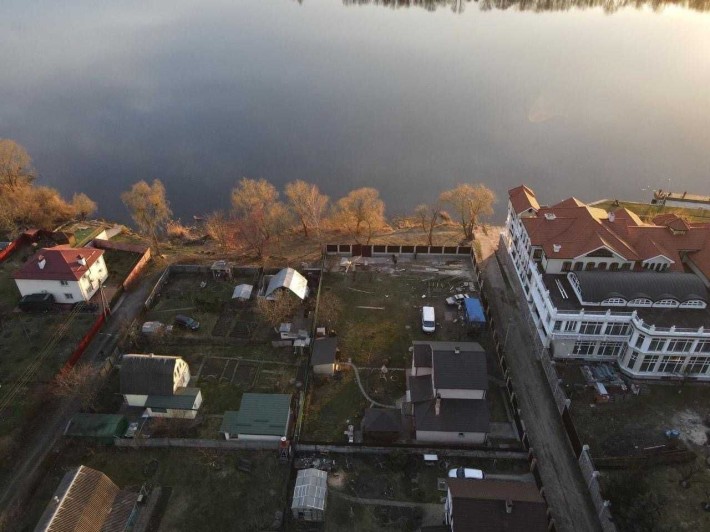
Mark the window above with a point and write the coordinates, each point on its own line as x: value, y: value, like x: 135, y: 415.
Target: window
x: 703, y: 346
x: 698, y: 365
x: 657, y: 344
x: 566, y: 266
x: 68, y: 296
x: 159, y: 410
x: 639, y: 340
x: 693, y: 303
x: 557, y: 326
x: 626, y: 266
x: 632, y: 359
x: 614, y: 266
x: 583, y: 348
x: 680, y: 346
x: 617, y: 329
x: 666, y: 303
x: 570, y: 326
x: 590, y: 327
x: 648, y: 363
x: 615, y: 302
x: 64, y: 283
x: 602, y: 265
x: 590, y: 266
x: 640, y: 302
x: 610, y: 349
x: 537, y: 254
x: 578, y: 266
x: 671, y: 364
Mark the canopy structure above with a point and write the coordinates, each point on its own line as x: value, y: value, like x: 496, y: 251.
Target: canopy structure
x: 290, y: 279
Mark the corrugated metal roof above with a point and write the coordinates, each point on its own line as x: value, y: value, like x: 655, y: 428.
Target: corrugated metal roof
x: 290, y: 279
x: 147, y: 374
x: 311, y: 489
x: 183, y: 399
x: 81, y: 503
x: 263, y: 414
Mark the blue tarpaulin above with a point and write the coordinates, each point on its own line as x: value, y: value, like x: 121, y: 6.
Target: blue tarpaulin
x: 474, y: 310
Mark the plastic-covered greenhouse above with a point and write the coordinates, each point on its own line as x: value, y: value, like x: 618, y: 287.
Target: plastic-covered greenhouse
x: 310, y: 495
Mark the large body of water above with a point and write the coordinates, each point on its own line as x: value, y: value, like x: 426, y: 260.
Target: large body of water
x: 589, y: 98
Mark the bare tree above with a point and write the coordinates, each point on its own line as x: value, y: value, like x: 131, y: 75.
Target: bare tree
x: 330, y: 307
x: 429, y: 217
x: 362, y: 209
x: 15, y: 165
x: 149, y: 208
x: 220, y: 228
x: 80, y: 382
x: 308, y: 204
x: 279, y: 309
x: 253, y: 195
x: 469, y: 203
x: 83, y: 206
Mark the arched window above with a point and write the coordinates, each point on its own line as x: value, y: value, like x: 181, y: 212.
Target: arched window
x: 578, y: 266
x: 602, y: 266
x: 669, y: 303
x: 614, y: 266
x: 590, y: 266
x: 640, y: 302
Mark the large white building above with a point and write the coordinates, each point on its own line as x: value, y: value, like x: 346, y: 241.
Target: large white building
x: 70, y: 274
x: 608, y: 286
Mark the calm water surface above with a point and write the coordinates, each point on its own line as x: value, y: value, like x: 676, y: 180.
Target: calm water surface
x: 567, y: 97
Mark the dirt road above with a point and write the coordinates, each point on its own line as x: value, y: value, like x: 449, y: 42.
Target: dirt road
x: 566, y: 492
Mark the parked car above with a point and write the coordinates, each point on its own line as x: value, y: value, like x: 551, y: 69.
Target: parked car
x: 467, y: 472
x: 428, y: 320
x: 186, y: 322
x: 37, y: 303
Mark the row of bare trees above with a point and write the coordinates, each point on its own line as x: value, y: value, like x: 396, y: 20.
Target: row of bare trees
x: 260, y: 216
x: 22, y: 204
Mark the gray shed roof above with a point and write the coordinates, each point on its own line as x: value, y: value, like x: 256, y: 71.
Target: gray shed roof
x: 147, y: 374
x: 324, y: 351
x: 597, y: 286
x: 455, y: 415
x: 311, y: 489
x: 291, y: 279
x: 184, y: 399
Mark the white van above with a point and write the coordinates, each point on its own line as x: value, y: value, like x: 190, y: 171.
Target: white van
x: 428, y: 320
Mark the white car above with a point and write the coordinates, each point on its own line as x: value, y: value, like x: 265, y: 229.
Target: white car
x: 467, y: 472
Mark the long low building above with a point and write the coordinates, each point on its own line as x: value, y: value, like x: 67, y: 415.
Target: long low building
x: 609, y: 286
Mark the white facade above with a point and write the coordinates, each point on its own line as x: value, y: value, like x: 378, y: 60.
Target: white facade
x: 68, y: 291
x: 474, y: 438
x: 641, y: 349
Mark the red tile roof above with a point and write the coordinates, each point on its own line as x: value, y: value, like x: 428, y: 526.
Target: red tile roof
x: 523, y: 198
x: 61, y: 264
x: 579, y: 229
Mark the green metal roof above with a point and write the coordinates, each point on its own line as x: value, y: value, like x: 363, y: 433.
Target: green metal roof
x: 183, y: 399
x: 96, y: 426
x: 259, y: 413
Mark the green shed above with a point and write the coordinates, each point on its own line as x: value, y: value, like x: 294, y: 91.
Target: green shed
x: 261, y: 416
x: 103, y: 428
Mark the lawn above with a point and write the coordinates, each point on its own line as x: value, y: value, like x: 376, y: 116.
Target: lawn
x: 208, y: 491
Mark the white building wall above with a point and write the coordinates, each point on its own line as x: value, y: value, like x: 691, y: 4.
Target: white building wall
x: 460, y: 394
x: 69, y: 293
x: 135, y: 400
x: 451, y: 437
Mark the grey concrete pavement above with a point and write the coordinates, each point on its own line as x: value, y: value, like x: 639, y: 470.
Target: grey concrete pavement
x: 566, y: 492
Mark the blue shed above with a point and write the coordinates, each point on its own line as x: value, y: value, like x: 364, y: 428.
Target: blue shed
x: 474, y: 311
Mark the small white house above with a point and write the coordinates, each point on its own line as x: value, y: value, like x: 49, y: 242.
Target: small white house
x: 323, y: 355
x: 70, y: 274
x: 159, y: 384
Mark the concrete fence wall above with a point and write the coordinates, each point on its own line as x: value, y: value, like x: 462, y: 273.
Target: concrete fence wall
x: 138, y: 443
x: 380, y: 250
